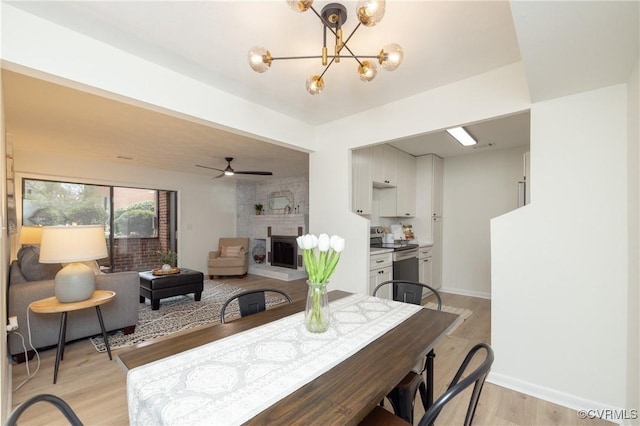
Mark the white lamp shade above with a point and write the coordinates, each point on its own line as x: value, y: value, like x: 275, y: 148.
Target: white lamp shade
x: 62, y: 244
x: 30, y: 235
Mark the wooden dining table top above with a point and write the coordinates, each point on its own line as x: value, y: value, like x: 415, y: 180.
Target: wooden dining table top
x: 343, y: 395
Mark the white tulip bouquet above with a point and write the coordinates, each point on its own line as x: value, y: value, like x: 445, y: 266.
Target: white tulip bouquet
x: 319, y: 268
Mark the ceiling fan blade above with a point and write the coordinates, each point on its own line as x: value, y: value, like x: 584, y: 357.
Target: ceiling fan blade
x: 207, y: 167
x: 253, y: 173
x: 219, y: 176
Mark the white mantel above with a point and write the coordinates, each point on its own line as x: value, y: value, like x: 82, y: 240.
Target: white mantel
x: 281, y: 224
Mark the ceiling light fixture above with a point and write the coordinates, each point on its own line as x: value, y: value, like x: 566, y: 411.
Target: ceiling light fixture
x: 333, y: 16
x: 462, y: 136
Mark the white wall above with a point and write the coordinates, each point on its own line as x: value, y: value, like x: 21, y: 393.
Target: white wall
x: 206, y: 208
x: 476, y: 188
x: 633, y: 300
x: 559, y: 308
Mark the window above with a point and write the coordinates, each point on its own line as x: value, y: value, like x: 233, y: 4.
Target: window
x: 143, y: 221
x: 135, y: 213
x: 47, y: 203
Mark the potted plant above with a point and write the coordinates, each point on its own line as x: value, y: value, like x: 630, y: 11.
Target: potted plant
x: 168, y: 259
x: 259, y: 208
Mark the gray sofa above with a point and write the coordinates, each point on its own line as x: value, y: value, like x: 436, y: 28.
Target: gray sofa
x: 36, y: 282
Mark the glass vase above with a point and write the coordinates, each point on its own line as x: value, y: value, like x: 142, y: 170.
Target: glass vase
x: 316, y: 314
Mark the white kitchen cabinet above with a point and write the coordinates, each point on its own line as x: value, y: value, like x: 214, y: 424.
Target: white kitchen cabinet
x: 436, y: 271
x: 429, y: 214
x: 436, y: 186
x: 401, y: 200
x: 406, y: 188
x: 385, y: 165
x: 425, y: 268
x: 380, y: 270
x: 424, y: 260
x: 362, y: 188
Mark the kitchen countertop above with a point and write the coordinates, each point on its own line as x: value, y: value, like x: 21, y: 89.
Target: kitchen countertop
x: 379, y: 250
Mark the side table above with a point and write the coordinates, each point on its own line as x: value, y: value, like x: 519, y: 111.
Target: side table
x: 51, y: 305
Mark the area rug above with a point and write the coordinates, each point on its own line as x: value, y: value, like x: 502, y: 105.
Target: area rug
x: 463, y: 314
x: 178, y: 313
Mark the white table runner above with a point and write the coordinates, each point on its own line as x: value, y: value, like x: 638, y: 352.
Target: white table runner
x: 229, y: 381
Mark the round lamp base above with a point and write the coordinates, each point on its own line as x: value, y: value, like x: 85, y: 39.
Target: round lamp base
x: 74, y: 282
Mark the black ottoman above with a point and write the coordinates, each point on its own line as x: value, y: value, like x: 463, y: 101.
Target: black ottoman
x: 156, y: 287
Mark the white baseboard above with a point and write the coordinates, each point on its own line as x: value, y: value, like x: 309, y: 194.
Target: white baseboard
x: 464, y: 292
x: 583, y: 406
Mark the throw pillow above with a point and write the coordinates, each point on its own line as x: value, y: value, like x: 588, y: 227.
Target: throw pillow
x: 231, y: 251
x: 32, y: 269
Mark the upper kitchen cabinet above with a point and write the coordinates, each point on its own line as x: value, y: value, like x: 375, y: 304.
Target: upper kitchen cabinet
x: 385, y: 164
x: 406, y: 196
x: 436, y: 187
x: 362, y: 187
x: 401, y: 200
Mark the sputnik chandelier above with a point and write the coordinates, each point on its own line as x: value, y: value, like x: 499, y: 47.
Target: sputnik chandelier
x: 333, y: 16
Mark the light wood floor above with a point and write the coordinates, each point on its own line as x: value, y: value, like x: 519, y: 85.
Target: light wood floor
x: 96, y: 388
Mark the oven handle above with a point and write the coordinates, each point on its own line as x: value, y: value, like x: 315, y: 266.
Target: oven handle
x: 404, y: 255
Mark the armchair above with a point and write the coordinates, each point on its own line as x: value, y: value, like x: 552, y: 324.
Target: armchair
x: 231, y: 258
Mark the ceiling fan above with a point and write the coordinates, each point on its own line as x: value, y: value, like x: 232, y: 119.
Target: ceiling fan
x: 228, y: 171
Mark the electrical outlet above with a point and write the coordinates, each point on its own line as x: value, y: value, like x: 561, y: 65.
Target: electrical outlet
x: 13, y: 324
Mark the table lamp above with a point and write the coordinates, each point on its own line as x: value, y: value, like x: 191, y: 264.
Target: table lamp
x: 73, y: 244
x: 30, y: 235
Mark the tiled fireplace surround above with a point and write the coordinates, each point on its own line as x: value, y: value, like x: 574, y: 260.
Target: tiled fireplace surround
x: 259, y: 228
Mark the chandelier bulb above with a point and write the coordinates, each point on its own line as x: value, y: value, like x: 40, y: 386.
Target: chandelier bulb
x: 300, y: 5
x: 370, y: 12
x: 391, y: 56
x: 367, y: 71
x: 259, y: 59
x: 314, y: 85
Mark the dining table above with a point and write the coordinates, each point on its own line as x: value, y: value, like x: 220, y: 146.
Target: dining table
x: 267, y: 368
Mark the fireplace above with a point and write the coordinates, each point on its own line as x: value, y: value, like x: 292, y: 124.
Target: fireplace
x: 284, y: 251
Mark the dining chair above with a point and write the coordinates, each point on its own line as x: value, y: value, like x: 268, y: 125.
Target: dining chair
x: 59, y: 403
x: 403, y: 395
x: 251, y: 301
x: 379, y: 416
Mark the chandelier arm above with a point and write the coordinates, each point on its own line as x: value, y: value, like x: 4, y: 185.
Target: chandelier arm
x: 344, y: 44
x: 297, y: 57
x: 327, y: 67
x: 356, y: 57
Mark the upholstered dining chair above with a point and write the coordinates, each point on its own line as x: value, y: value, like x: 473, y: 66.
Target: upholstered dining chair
x: 403, y: 396
x: 379, y: 416
x: 57, y: 402
x: 251, y: 301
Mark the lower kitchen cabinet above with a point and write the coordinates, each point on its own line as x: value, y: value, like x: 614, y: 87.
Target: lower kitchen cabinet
x: 380, y: 270
x: 425, y: 264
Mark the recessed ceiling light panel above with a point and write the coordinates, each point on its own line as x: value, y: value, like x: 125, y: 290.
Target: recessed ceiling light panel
x: 461, y: 135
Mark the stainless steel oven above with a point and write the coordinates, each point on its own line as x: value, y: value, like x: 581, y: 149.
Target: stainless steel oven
x: 405, y: 264
x: 405, y: 256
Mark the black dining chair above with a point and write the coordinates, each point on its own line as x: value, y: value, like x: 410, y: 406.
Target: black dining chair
x: 403, y: 396
x: 379, y: 416
x: 57, y: 402
x: 251, y: 301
